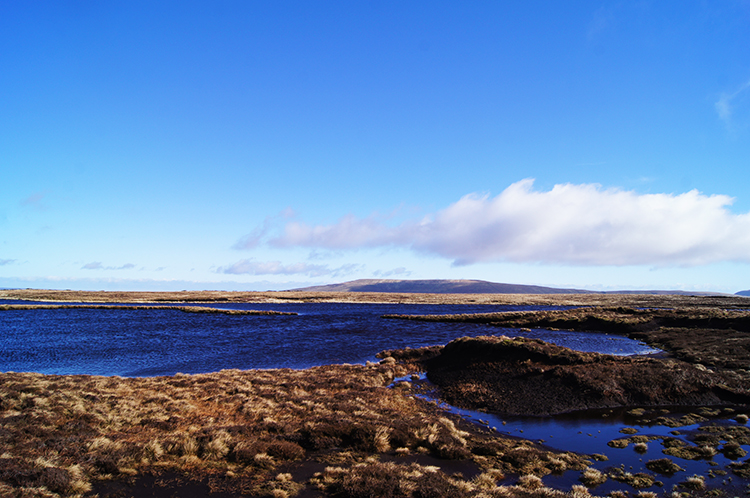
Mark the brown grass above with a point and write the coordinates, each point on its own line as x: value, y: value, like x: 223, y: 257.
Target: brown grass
x: 185, y: 309
x: 236, y: 431
x: 337, y: 430
x: 599, y: 300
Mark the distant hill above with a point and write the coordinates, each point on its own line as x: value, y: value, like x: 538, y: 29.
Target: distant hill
x: 744, y: 293
x: 439, y: 287
x: 668, y: 293
x: 477, y: 287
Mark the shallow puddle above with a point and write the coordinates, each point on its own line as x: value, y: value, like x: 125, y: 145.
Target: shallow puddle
x: 589, y: 432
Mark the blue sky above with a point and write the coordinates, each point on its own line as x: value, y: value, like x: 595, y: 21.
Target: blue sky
x: 273, y: 145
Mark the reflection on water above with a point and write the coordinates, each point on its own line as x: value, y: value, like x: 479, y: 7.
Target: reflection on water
x: 589, y: 432
x: 164, y: 342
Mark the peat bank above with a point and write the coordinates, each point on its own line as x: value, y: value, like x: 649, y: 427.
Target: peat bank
x: 350, y: 431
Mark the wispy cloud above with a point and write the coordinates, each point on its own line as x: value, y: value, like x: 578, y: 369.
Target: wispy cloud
x: 4, y: 262
x: 122, y: 284
x: 400, y: 271
x: 97, y: 265
x: 570, y: 224
x: 600, y: 22
x: 727, y: 102
x: 254, y: 238
x: 251, y: 267
x: 34, y: 201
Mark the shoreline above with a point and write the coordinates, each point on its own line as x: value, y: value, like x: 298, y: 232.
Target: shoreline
x: 184, y: 309
x: 599, y: 300
x: 323, y: 431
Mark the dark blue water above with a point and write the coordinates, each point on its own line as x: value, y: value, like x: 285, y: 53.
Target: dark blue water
x: 163, y: 342
x: 589, y: 434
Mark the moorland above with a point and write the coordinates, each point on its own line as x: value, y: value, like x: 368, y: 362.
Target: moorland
x: 350, y: 431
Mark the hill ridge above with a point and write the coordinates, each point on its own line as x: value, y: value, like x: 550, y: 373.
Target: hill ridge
x: 438, y: 286
x: 473, y: 286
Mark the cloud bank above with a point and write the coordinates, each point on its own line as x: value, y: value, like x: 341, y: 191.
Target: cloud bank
x: 97, y: 265
x: 250, y: 267
x: 570, y: 224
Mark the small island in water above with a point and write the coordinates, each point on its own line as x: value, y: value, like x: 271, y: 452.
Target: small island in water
x: 382, y: 429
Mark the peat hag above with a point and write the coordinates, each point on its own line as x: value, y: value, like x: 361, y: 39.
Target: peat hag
x: 341, y: 431
x: 710, y: 363
x: 518, y: 376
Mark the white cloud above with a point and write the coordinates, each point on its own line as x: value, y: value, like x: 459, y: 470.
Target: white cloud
x: 119, y: 284
x: 570, y: 224
x: 248, y: 266
x: 97, y: 265
x: 254, y: 238
x: 350, y: 232
x: 400, y: 271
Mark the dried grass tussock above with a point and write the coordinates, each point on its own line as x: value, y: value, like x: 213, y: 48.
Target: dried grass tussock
x: 601, y: 300
x: 341, y: 431
x: 250, y: 433
x: 185, y: 309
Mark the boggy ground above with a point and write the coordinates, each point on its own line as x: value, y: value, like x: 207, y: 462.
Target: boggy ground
x: 709, y: 363
x: 600, y: 300
x: 327, y: 431
x: 518, y: 376
x: 330, y: 431
x: 184, y: 309
x: 706, y: 362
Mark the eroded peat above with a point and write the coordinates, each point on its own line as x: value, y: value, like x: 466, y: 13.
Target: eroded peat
x: 341, y: 431
x: 704, y: 373
x: 518, y: 376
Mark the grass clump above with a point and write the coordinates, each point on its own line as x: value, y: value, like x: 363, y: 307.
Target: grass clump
x: 67, y: 435
x: 592, y: 477
x: 619, y: 443
x: 663, y: 466
x: 690, y: 452
x: 695, y: 482
x: 640, y: 447
x: 637, y: 480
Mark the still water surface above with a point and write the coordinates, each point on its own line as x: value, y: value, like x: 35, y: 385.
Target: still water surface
x: 163, y: 342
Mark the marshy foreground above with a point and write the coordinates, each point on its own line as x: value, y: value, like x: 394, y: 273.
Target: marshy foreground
x: 349, y: 431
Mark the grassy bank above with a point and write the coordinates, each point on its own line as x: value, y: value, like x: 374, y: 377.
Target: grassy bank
x: 336, y: 430
x: 599, y: 300
x: 184, y: 309
x: 340, y: 430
